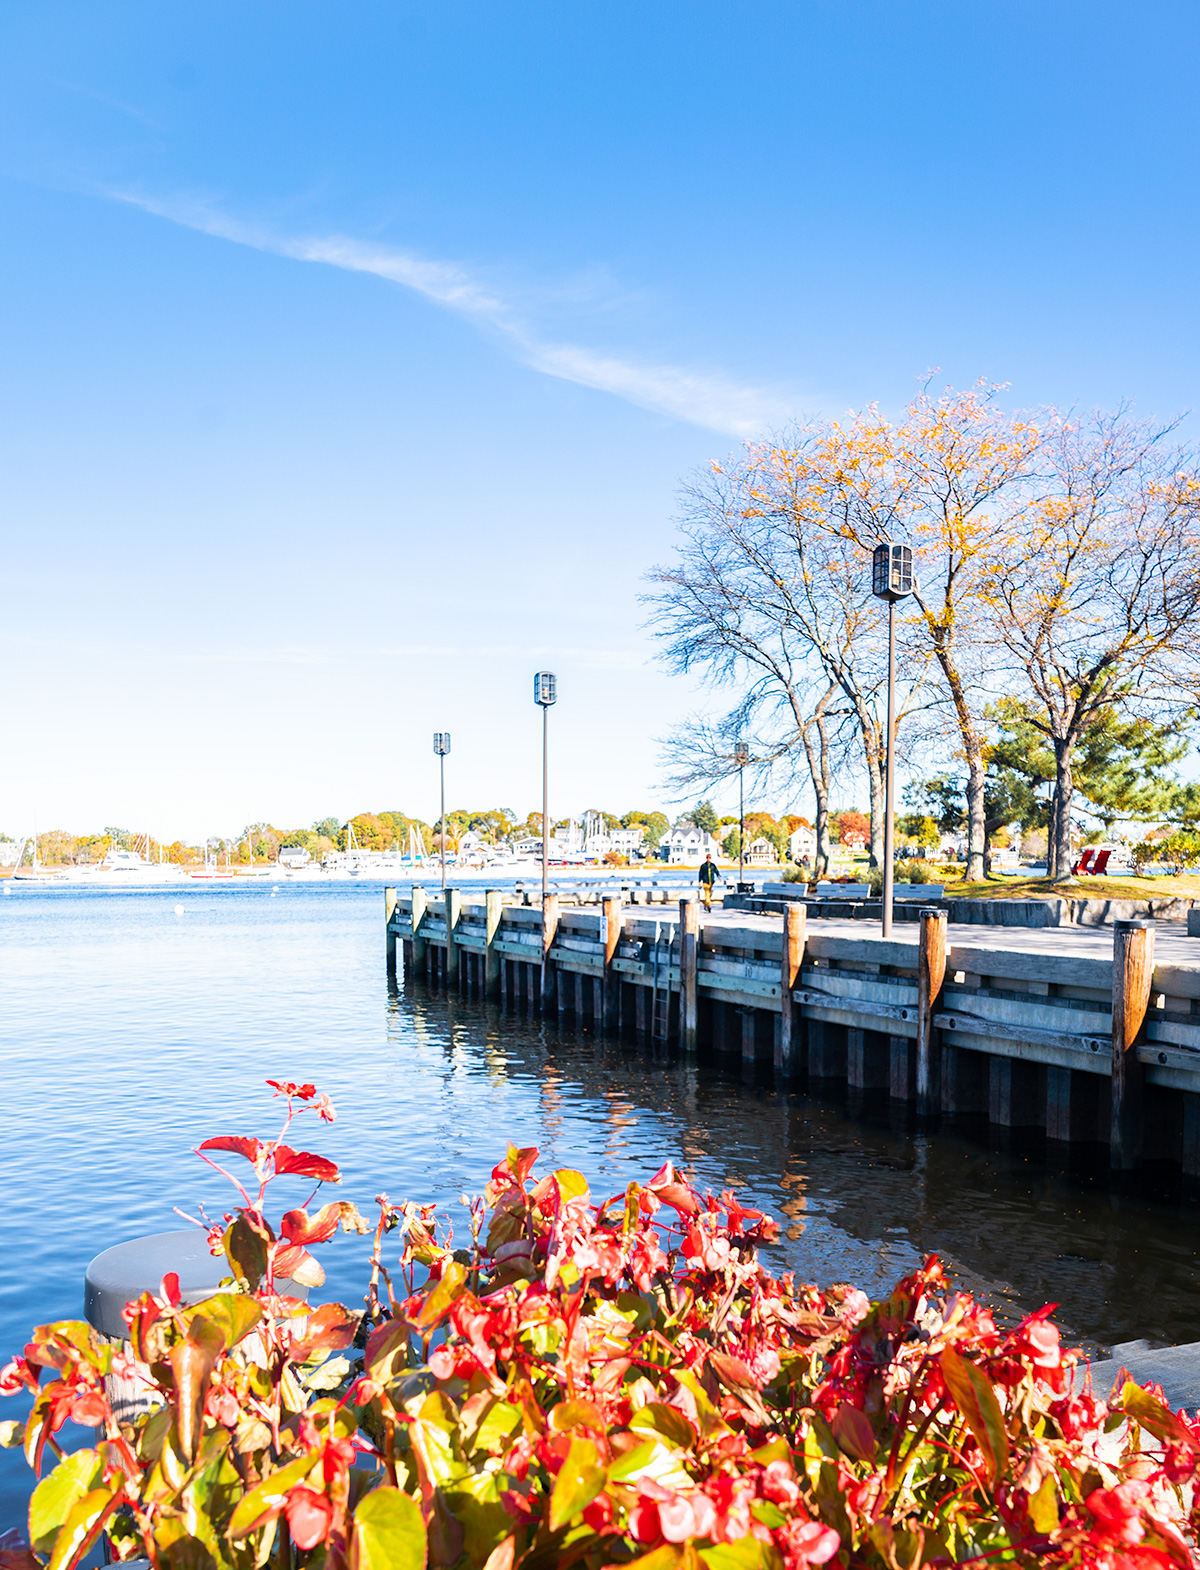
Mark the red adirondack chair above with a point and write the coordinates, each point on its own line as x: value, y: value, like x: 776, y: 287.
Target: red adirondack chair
x: 1098, y: 866
x: 1084, y: 864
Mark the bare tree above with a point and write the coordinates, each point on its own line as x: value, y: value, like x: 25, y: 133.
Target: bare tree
x: 700, y: 753
x: 770, y: 592
x: 1100, y: 608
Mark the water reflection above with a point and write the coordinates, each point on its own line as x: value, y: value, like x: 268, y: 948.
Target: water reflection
x: 128, y: 1034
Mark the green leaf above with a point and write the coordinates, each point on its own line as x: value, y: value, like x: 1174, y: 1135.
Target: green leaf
x: 666, y: 1557
x: 453, y: 1283
x: 769, y: 1514
x: 82, y: 1528
x: 579, y: 1480
x: 745, y: 1554
x: 634, y: 1461
x: 231, y: 1316
x: 1043, y: 1506
x: 388, y: 1533
x: 266, y: 1499
x: 659, y: 1418
x: 976, y: 1400
x: 57, y: 1494
x: 1153, y: 1415
x: 247, y: 1249
x: 776, y: 1449
x: 571, y: 1184
x: 501, y: 1421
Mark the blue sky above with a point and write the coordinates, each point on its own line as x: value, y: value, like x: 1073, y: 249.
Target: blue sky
x: 352, y: 354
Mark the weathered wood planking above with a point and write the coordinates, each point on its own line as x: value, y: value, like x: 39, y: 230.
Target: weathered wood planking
x: 834, y: 1002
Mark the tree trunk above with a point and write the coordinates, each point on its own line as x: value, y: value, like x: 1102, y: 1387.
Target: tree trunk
x: 875, y: 775
x: 818, y: 767
x: 872, y: 740
x: 976, y: 837
x: 1064, y: 790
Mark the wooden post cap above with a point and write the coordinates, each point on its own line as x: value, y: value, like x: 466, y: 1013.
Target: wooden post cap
x: 120, y: 1275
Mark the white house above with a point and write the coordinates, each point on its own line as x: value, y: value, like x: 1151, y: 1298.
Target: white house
x: 761, y: 853
x: 294, y: 856
x: 686, y: 845
x: 625, y: 842
x: 802, y: 844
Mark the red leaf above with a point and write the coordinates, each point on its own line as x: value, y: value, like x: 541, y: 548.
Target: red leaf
x: 330, y: 1329
x: 308, y: 1516
x: 679, y: 1196
x: 302, y: 1163
x: 298, y: 1226
x: 288, y: 1087
x: 293, y: 1263
x: 252, y: 1149
x: 169, y: 1290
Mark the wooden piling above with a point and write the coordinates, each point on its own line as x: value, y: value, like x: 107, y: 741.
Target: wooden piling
x: 549, y: 931
x: 1058, y: 1104
x: 420, y: 948
x: 610, y: 933
x: 689, y: 946
x: 389, y: 911
x: 1132, y: 973
x: 899, y: 1068
x: 791, y: 963
x: 452, y: 904
x: 494, y: 909
x: 931, y: 975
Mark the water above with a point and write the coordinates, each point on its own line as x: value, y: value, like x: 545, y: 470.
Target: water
x: 131, y: 1028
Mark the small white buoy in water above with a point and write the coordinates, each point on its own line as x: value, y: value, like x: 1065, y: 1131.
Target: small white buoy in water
x: 274, y: 892
x: 179, y: 910
x: 7, y: 889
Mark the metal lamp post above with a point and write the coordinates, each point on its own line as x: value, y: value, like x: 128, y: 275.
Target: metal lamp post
x: 545, y: 692
x: 441, y: 746
x: 741, y: 756
x: 891, y: 580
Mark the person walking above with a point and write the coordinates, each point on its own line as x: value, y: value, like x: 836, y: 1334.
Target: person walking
x: 708, y: 876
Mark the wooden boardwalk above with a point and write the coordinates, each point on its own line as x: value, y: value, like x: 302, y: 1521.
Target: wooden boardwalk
x: 1090, y: 1034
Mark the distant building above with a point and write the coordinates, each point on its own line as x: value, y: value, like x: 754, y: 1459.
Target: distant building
x: 802, y: 844
x: 294, y: 856
x: 625, y: 842
x: 761, y: 853
x: 686, y: 845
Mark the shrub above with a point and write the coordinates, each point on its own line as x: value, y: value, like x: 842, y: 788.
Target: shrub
x: 914, y: 871
x: 621, y: 1384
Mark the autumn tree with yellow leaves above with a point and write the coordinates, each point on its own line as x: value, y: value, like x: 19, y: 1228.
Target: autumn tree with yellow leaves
x: 1057, y: 560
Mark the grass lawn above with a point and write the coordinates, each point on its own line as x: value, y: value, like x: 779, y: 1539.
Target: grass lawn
x: 1078, y: 888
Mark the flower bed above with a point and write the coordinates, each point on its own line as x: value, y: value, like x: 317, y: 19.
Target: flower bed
x: 610, y: 1384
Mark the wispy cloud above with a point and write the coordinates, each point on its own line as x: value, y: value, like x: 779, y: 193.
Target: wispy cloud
x: 702, y: 398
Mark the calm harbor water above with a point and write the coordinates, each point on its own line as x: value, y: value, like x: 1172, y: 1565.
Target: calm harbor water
x: 129, y: 1031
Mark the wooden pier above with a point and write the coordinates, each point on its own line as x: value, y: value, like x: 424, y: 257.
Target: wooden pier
x: 1101, y: 1046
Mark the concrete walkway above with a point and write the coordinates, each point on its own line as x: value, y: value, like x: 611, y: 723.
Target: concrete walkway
x: 1172, y: 945
x: 1175, y: 1368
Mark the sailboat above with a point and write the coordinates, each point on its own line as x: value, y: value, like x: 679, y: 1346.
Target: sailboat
x: 33, y: 873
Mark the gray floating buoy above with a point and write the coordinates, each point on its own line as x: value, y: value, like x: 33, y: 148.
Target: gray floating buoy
x: 121, y: 1274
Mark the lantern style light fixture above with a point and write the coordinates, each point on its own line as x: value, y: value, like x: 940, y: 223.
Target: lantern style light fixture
x: 545, y: 693
x: 892, y: 571
x: 891, y: 580
x: 441, y: 746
